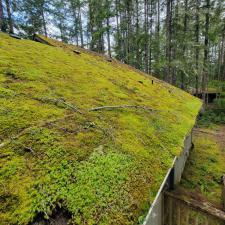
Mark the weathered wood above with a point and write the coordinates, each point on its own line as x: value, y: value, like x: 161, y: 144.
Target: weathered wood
x: 170, y: 210
x: 187, y: 217
x: 178, y: 219
x: 204, y: 207
x: 223, y: 192
x: 77, y: 52
x: 15, y: 36
x: 40, y: 40
x: 121, y: 107
x: 196, y: 219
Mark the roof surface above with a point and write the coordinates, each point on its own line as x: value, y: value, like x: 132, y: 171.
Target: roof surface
x: 57, y: 148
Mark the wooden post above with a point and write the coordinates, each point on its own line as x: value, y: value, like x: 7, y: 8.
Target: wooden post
x: 170, y: 210
x: 187, y: 217
x: 178, y: 213
x: 223, y: 192
x: 201, y: 207
x: 171, y: 181
x: 206, y: 220
x: 196, y: 219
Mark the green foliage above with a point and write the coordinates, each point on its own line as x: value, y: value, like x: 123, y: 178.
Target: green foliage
x: 212, y: 116
x: 220, y: 103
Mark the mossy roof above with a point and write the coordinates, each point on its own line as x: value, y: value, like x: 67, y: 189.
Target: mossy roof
x: 104, y: 166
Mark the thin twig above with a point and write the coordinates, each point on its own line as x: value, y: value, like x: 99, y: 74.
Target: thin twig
x: 41, y: 124
x: 121, y: 107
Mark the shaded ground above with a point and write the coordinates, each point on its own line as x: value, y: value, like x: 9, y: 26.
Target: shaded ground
x: 59, y: 217
x: 202, y: 176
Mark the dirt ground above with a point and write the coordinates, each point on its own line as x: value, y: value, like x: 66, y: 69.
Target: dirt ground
x: 217, y: 134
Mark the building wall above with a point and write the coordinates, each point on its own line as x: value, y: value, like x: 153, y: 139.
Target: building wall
x: 173, y: 177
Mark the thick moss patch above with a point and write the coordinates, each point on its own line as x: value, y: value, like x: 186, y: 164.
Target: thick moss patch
x: 104, y: 166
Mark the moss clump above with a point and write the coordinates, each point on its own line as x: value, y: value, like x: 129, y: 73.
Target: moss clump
x: 103, y: 166
x: 205, y: 167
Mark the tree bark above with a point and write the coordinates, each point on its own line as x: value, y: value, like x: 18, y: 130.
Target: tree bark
x: 91, y: 24
x: 158, y: 37
x: 167, y: 76
x: 44, y: 21
x: 75, y: 20
x: 80, y: 24
x: 206, y: 51
x: 150, y: 37
x: 8, y: 8
x: 137, y: 37
x: 221, y: 56
x: 146, y: 28
x: 1, y: 17
x: 197, y: 47
x: 184, y: 39
x: 174, y: 34
x: 129, y: 30
x: 108, y: 28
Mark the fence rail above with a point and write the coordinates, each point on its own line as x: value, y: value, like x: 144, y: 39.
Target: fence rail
x: 179, y: 210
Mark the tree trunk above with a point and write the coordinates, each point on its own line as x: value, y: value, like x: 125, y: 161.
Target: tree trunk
x: 11, y: 30
x: 150, y: 37
x: 158, y: 37
x: 74, y: 7
x: 129, y: 31
x: 80, y: 26
x: 44, y: 21
x: 221, y: 55
x: 184, y: 39
x: 108, y: 38
x: 146, y: 29
x: 1, y: 17
x: 223, y: 74
x: 91, y: 24
x: 108, y: 29
x: 118, y: 31
x: 167, y: 76
x: 137, y: 37
x: 174, y: 34
x: 197, y: 47
x: 206, y: 51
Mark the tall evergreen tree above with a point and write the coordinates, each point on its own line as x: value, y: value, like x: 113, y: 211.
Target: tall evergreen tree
x: 9, y: 14
x: 1, y: 17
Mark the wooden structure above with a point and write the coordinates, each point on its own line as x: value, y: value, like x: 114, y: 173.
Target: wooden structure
x: 156, y: 212
x: 223, y: 191
x: 181, y: 210
x: 209, y: 95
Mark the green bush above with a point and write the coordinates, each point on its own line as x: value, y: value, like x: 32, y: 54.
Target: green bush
x: 220, y: 103
x: 212, y: 116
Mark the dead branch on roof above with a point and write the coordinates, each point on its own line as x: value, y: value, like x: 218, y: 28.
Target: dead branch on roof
x: 122, y: 107
x: 77, y: 52
x: 25, y: 130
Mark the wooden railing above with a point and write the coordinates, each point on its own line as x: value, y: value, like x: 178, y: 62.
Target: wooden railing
x: 180, y: 210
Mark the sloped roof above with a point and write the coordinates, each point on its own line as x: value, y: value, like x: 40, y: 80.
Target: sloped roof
x: 91, y: 135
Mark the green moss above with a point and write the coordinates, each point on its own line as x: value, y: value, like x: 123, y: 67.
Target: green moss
x: 204, y: 168
x: 101, y: 166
